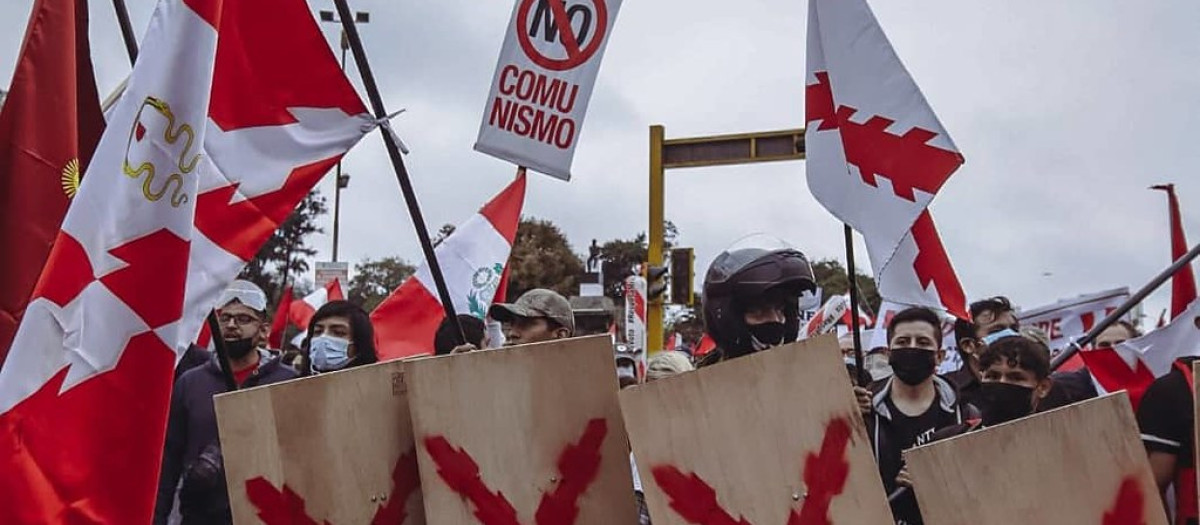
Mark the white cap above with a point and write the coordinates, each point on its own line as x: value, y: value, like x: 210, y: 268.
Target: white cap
x: 244, y: 292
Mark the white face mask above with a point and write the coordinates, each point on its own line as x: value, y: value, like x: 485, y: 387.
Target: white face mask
x: 328, y: 353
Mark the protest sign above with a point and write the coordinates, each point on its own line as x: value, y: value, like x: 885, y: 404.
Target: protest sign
x: 543, y: 82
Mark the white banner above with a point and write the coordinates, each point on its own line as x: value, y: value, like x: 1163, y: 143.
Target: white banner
x: 635, y: 312
x: 543, y: 82
x: 1069, y: 319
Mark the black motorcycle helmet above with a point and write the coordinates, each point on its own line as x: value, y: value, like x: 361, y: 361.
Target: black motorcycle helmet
x: 742, y: 276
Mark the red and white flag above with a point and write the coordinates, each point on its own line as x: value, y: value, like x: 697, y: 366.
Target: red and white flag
x: 301, y: 312
x: 233, y: 111
x: 474, y: 261
x: 1158, y: 349
x: 877, y: 153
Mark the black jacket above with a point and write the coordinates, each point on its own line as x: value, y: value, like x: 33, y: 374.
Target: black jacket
x: 889, y: 453
x: 193, y: 426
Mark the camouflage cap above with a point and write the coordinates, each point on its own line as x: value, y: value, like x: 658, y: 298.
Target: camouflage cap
x: 536, y: 303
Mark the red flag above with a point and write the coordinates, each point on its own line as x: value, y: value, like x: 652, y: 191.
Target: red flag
x: 49, y: 127
x: 280, y: 321
x: 1183, y: 284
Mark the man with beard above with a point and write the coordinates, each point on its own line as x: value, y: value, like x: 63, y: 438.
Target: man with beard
x: 192, y: 451
x: 909, y: 407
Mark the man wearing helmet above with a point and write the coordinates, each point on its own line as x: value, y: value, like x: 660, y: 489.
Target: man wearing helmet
x: 752, y: 300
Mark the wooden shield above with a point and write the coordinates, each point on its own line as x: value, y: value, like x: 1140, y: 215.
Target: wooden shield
x: 773, y: 438
x: 336, y: 448
x: 529, y: 434
x: 1082, y: 464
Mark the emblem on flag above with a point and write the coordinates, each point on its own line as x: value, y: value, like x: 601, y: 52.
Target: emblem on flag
x: 484, y: 283
x: 171, y: 134
x: 70, y: 178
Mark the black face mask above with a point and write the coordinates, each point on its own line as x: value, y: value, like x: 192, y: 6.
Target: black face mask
x: 1003, y: 402
x: 912, y: 366
x: 239, y: 348
x: 766, y: 335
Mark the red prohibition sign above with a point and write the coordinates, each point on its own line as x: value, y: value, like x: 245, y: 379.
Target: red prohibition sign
x: 566, y: 36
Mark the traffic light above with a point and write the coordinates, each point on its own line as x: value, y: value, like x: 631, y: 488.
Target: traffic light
x: 656, y: 283
x: 682, y: 289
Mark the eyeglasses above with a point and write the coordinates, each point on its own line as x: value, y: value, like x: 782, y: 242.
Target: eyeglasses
x: 239, y: 319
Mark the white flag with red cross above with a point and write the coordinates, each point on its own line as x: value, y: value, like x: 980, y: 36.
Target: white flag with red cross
x: 877, y: 153
x: 233, y: 112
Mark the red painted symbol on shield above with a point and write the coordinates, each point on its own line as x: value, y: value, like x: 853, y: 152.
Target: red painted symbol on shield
x: 825, y: 474
x: 578, y: 466
x: 551, y: 20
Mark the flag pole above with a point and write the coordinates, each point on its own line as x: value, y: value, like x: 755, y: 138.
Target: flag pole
x: 1116, y: 315
x: 214, y: 328
x: 131, y: 45
x: 393, y: 149
x: 858, y: 353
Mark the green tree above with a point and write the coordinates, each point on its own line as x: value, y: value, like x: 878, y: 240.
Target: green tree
x: 374, y: 280
x: 831, y: 277
x: 621, y: 255
x: 542, y: 258
x: 286, y: 254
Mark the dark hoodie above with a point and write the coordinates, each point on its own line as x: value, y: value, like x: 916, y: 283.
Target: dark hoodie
x: 948, y: 411
x: 193, y: 426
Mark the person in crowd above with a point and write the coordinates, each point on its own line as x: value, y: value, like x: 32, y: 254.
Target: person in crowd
x: 1014, y: 379
x: 628, y: 357
x: 444, y: 341
x: 751, y: 300
x: 667, y: 364
x: 1167, y: 422
x: 539, y: 315
x: 192, y: 451
x: 1078, y: 385
x: 340, y: 336
x: 908, y: 408
x: 991, y: 319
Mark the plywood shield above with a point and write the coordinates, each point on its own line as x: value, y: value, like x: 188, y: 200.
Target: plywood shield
x: 335, y: 448
x: 1082, y: 464
x: 773, y: 438
x: 524, y: 435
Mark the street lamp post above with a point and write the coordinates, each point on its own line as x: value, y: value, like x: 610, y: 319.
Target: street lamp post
x: 342, y: 179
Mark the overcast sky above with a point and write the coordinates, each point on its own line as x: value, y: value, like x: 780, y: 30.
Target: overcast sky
x: 1066, y: 112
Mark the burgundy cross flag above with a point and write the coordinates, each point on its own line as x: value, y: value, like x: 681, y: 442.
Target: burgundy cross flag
x: 877, y: 154
x: 233, y: 112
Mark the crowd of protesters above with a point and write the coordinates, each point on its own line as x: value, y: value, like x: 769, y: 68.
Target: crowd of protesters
x: 751, y: 303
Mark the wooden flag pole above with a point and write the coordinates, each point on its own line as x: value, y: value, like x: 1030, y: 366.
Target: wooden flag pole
x: 393, y: 149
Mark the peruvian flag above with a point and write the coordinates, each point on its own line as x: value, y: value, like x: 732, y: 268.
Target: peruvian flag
x: 301, y: 312
x: 877, y: 153
x: 233, y: 111
x: 474, y: 261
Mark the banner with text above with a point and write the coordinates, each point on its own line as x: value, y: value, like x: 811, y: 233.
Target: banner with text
x: 543, y: 82
x: 1070, y: 319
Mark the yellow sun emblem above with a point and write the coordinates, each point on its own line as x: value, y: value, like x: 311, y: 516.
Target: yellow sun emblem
x: 70, y: 178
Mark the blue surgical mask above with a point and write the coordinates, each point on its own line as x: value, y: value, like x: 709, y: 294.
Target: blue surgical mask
x: 328, y: 353
x: 996, y: 336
